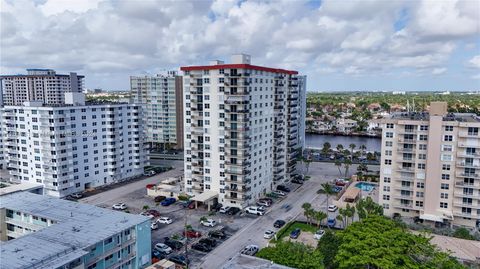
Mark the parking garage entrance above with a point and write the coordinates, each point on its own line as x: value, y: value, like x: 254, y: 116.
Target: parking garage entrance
x: 208, y: 198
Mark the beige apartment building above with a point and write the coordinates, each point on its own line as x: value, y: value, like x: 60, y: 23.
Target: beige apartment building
x: 430, y: 166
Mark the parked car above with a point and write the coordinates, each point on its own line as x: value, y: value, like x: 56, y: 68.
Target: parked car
x: 162, y: 248
x: 201, y: 247
x: 154, y: 213
x: 337, y: 189
x: 174, y: 244
x: 158, y: 255
x: 268, y: 234
x: 233, y: 211
x: 332, y: 208
x: 278, y: 223
x: 297, y: 180
x: 224, y: 209
x: 119, y: 206
x: 217, y: 207
x: 217, y: 234
x: 148, y: 215
x: 158, y: 199
x: 208, y: 223
x: 341, y: 182
x: 76, y: 195
x: 165, y: 220
x: 192, y: 234
x: 168, y: 201
x: 283, y: 188
x: 149, y: 173
x: 295, y: 233
x: 279, y: 193
x: 208, y: 241
x: 256, y: 210
x: 150, y: 186
x: 179, y: 259
x: 270, y: 200
x: 154, y: 225
x: 250, y: 250
x: 331, y: 222
x: 318, y: 234
x: 263, y: 203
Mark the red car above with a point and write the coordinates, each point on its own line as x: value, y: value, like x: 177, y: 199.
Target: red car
x: 192, y: 234
x: 150, y: 186
x: 191, y: 205
x: 154, y: 213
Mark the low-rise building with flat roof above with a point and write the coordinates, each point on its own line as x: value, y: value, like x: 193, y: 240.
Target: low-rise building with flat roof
x: 39, y: 231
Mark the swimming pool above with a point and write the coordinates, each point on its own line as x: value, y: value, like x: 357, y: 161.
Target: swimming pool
x: 365, y: 186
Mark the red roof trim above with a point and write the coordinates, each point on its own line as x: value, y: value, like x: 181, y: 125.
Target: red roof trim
x: 237, y: 66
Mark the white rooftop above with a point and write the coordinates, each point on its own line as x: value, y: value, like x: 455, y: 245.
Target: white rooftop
x: 78, y: 226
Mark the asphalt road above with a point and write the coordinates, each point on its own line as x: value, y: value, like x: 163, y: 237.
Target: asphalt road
x: 253, y: 232
x: 114, y: 195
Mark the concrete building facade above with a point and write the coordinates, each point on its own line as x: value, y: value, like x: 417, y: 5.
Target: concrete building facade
x: 43, y: 85
x: 430, y: 166
x: 73, y: 147
x: 162, y: 99
x: 242, y: 129
x: 45, y: 232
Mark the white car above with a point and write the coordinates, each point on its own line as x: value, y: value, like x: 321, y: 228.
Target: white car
x: 280, y: 193
x: 250, y: 250
x: 119, y: 206
x: 165, y: 220
x: 154, y: 225
x: 263, y: 203
x: 268, y: 234
x: 208, y: 223
x: 77, y: 195
x: 256, y: 210
x: 146, y: 214
x: 149, y: 173
x: 162, y: 248
x: 224, y: 209
x: 318, y: 234
x: 332, y: 208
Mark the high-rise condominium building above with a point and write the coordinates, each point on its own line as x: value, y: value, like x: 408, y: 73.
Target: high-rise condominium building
x: 431, y: 166
x: 44, y: 232
x: 242, y: 134
x: 162, y: 99
x: 75, y: 146
x: 43, y: 85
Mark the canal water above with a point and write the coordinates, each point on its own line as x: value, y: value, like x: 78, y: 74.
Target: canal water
x: 317, y: 141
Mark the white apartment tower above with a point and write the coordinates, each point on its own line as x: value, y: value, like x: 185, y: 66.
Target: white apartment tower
x: 43, y: 85
x: 162, y: 99
x: 242, y: 129
x: 430, y: 166
x: 75, y: 146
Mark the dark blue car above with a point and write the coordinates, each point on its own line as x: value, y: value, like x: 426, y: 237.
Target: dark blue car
x: 331, y: 222
x: 168, y: 201
x: 295, y: 233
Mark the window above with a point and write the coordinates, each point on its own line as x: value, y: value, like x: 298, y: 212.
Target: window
x: 423, y: 137
x: 386, y: 197
x: 388, y: 162
x: 390, y: 125
x: 419, y: 203
x: 421, y: 166
x: 422, y: 146
x: 446, y: 167
x: 389, y: 134
x: 444, y: 195
x: 448, y: 138
x: 420, y: 185
x: 448, y: 128
x: 387, y: 179
x: 443, y: 205
x: 473, y: 131
x: 423, y: 127
x: 386, y: 188
x: 445, y: 176
x: 422, y: 156
x: 388, y: 143
x: 388, y: 153
x: 419, y: 194
x: 444, y: 186
x: 447, y: 157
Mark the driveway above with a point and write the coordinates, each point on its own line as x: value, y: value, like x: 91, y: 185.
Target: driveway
x: 252, y: 233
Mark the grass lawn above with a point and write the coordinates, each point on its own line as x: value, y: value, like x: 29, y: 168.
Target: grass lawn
x: 289, y: 227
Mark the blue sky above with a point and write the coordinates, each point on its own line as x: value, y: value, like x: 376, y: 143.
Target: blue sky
x: 340, y: 45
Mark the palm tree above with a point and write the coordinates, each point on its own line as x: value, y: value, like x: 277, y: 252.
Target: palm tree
x: 340, y: 218
x: 342, y: 212
x: 326, y: 148
x: 347, y: 165
x: 352, y: 147
x: 328, y: 190
x: 339, y: 148
x: 307, y: 209
x: 307, y: 164
x: 363, y: 148
x: 338, y: 164
x: 319, y: 217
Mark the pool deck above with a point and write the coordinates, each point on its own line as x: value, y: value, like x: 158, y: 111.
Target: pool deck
x: 363, y: 194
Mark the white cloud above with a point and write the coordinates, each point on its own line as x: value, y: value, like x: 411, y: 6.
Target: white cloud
x: 475, y: 62
x: 439, y: 71
x: 104, y: 38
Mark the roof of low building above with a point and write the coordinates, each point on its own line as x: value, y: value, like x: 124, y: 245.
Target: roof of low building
x: 77, y: 226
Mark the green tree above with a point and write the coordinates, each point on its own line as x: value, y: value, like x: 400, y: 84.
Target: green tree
x: 326, y: 148
x: 319, y: 216
x: 338, y: 164
x: 307, y: 211
x: 328, y: 246
x: 347, y: 163
x: 378, y: 242
x: 352, y: 147
x: 327, y: 189
x: 463, y: 233
x: 366, y: 207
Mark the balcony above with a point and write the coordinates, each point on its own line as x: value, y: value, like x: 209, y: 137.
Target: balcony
x: 462, y: 184
x: 468, y: 165
x: 407, y: 141
x: 239, y: 172
x: 406, y: 169
x: 238, y: 128
x: 407, y: 150
x: 238, y: 100
x: 235, y: 198
x: 241, y: 180
x: 469, y: 134
x: 469, y: 175
x: 468, y: 155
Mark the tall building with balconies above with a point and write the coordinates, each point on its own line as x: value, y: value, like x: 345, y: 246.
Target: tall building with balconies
x: 431, y: 166
x: 162, y: 99
x: 73, y: 147
x: 43, y: 85
x: 242, y: 129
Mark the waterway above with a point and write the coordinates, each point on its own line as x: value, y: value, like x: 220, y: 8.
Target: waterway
x: 317, y: 141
